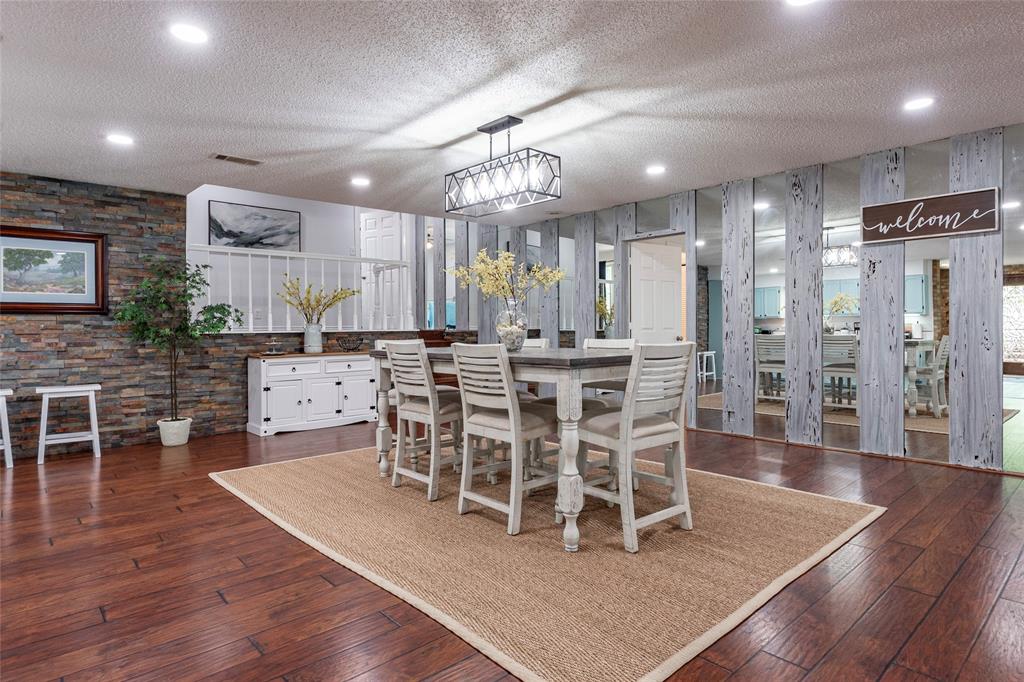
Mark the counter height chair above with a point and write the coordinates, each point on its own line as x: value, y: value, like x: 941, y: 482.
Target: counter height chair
x: 540, y: 343
x: 651, y: 416
x: 491, y: 410
x: 5, y: 428
x: 420, y: 401
x: 87, y: 391
x: 931, y: 380
x: 597, y: 402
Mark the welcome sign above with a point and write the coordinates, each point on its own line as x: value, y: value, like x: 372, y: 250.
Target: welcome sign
x: 946, y: 215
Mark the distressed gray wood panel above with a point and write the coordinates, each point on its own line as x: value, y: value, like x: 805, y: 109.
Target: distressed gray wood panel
x: 549, y: 299
x: 584, y: 315
x: 975, y: 313
x: 462, y: 257
x: 440, y: 280
x: 419, y: 279
x: 682, y: 219
x: 625, y: 227
x: 804, y: 223
x: 517, y: 243
x: 880, y: 372
x: 737, y: 369
x: 487, y: 309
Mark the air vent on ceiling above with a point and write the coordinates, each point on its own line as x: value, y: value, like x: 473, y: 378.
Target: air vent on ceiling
x: 236, y: 159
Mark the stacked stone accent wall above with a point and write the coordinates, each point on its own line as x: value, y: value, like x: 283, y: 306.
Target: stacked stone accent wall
x: 42, y: 350
x: 703, y: 315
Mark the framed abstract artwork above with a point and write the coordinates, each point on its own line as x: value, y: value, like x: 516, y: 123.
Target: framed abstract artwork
x: 52, y: 271
x: 254, y: 227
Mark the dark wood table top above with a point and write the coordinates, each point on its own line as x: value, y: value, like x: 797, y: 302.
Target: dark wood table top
x: 561, y: 358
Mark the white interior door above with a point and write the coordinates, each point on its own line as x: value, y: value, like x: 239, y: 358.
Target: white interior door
x: 380, y: 237
x: 655, y: 289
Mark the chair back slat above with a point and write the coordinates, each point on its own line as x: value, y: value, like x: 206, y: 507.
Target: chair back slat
x: 485, y: 378
x: 657, y: 381
x: 540, y: 343
x: 411, y: 374
x: 609, y: 344
x: 942, y: 354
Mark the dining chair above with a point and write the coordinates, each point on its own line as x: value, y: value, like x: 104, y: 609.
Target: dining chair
x: 597, y: 402
x: 540, y: 343
x: 931, y: 380
x: 651, y: 416
x: 420, y: 401
x: 491, y: 410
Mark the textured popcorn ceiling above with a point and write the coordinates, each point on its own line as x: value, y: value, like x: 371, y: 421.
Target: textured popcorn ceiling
x: 394, y: 91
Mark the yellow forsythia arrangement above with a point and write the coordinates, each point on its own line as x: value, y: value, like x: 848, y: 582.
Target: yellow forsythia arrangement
x: 311, y: 306
x: 502, y: 277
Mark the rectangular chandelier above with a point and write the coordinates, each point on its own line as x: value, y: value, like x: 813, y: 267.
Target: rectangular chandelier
x: 839, y: 256
x: 520, y: 178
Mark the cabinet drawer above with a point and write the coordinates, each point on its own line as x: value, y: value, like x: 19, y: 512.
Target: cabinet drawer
x: 361, y: 364
x: 292, y: 369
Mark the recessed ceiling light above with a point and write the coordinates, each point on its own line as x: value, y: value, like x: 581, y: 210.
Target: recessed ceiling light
x: 761, y: 205
x: 189, y: 34
x: 655, y: 170
x: 1022, y: 226
x: 360, y: 181
x: 799, y: 3
x: 700, y: 242
x: 1008, y: 205
x: 918, y: 103
x: 118, y: 138
x: 773, y: 270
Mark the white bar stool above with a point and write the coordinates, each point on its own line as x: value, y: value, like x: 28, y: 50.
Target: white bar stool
x: 5, y: 428
x: 702, y: 365
x: 93, y: 434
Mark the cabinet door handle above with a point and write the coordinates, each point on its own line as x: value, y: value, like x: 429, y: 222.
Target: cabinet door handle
x: 346, y: 397
x: 350, y: 365
x: 293, y: 369
x: 298, y: 402
x: 309, y: 400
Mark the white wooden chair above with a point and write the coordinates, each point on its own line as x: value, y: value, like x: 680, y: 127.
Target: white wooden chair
x: 931, y: 380
x: 492, y: 411
x: 706, y: 359
x: 600, y: 401
x: 80, y: 391
x: 770, y: 366
x: 420, y: 401
x: 540, y: 343
x: 840, y: 359
x: 651, y: 416
x: 5, y: 428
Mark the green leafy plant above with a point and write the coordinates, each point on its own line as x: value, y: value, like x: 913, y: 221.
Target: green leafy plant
x: 163, y: 311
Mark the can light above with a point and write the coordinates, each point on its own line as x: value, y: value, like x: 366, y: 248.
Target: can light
x: 188, y: 33
x: 120, y: 139
x: 918, y: 103
x: 360, y: 181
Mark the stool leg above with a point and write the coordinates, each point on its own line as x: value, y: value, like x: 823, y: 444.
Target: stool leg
x: 94, y: 423
x: 5, y: 432
x: 42, y: 430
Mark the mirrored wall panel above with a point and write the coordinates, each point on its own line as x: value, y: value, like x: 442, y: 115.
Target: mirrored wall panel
x: 708, y: 246
x: 926, y: 315
x: 567, y: 262
x: 604, y: 301
x: 770, y: 306
x: 841, y: 304
x: 1013, y: 298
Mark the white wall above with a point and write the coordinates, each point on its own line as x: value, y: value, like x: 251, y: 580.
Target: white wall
x: 326, y: 228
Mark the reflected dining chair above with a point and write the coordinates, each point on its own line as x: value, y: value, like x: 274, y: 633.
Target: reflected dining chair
x: 491, y: 410
x: 931, y: 380
x: 651, y: 416
x: 419, y: 401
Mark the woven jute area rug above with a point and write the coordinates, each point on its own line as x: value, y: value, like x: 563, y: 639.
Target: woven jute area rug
x: 536, y: 610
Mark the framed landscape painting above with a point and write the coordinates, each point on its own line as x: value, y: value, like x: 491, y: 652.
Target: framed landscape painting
x: 254, y: 227
x: 52, y: 271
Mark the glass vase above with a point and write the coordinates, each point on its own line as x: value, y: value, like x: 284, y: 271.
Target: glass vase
x: 511, y: 326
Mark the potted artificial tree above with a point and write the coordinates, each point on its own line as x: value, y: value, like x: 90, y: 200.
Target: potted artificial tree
x: 162, y: 311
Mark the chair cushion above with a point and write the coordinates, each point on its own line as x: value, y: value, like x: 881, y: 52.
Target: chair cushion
x: 606, y: 423
x: 525, y: 396
x: 449, y: 403
x: 532, y: 417
x: 588, y: 403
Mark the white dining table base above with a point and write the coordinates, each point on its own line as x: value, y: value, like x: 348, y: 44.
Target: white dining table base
x: 569, y: 383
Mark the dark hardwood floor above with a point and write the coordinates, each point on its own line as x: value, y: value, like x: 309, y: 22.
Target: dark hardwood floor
x: 139, y: 566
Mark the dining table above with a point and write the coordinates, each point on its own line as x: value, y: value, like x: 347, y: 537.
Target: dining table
x: 569, y: 370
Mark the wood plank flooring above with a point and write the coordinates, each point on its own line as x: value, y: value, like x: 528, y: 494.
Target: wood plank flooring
x: 139, y: 566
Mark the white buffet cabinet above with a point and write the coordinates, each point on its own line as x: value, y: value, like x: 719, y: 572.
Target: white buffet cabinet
x: 297, y: 392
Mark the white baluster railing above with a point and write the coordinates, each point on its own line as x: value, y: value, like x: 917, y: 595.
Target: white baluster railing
x: 383, y: 293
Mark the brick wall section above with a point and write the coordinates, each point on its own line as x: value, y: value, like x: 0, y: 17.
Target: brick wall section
x: 940, y: 300
x: 703, y: 318
x: 39, y: 350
